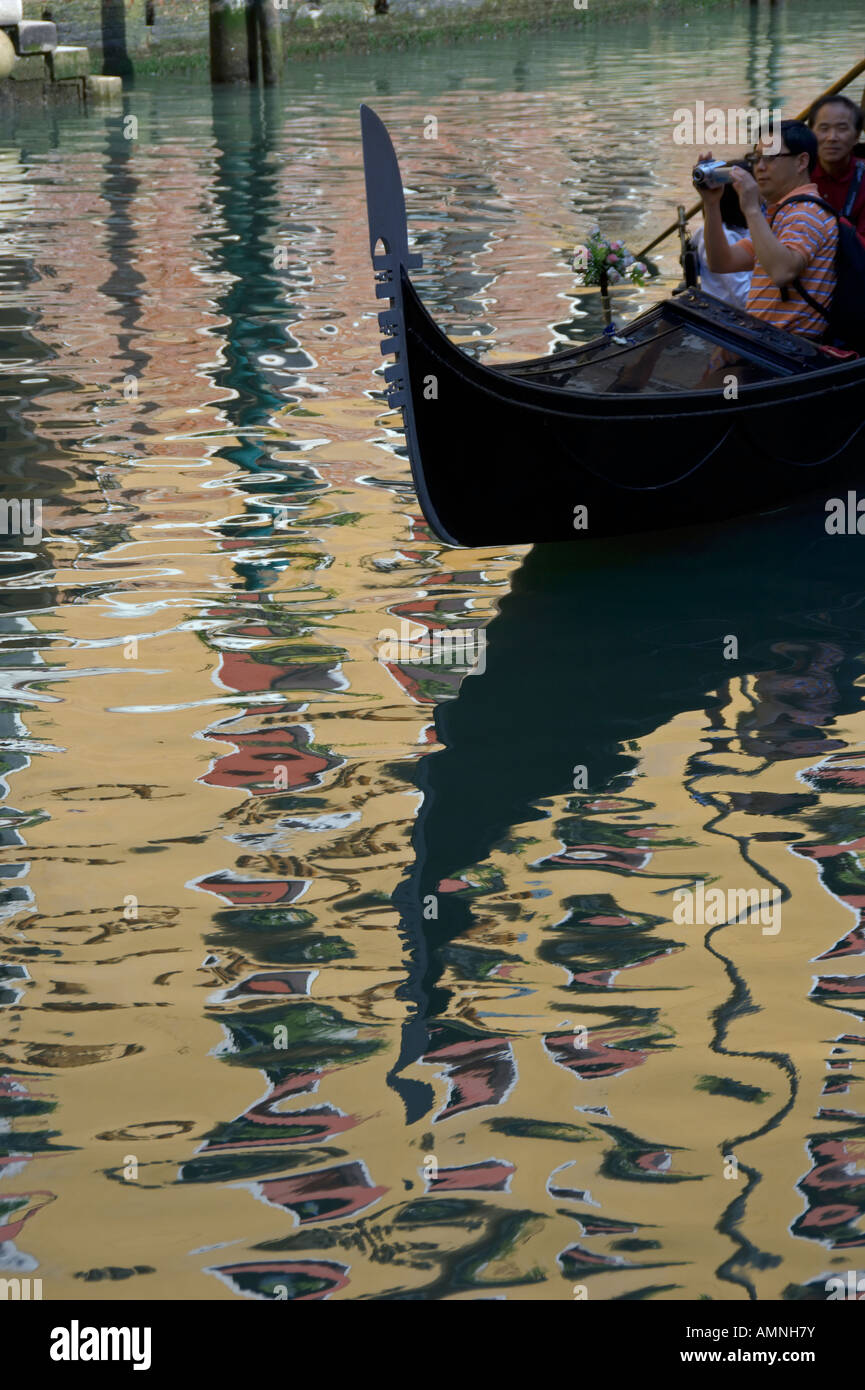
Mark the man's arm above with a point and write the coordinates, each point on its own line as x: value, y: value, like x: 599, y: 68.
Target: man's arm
x: 781, y: 263
x: 722, y: 257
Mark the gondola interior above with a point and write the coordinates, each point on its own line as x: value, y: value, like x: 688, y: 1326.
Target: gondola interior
x: 689, y: 343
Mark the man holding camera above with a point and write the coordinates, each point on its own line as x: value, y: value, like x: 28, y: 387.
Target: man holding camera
x: 786, y: 244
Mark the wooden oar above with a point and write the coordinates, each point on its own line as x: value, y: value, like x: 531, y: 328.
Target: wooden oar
x: 829, y: 92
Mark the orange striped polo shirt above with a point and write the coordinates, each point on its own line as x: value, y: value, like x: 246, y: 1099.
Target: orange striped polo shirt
x: 813, y: 232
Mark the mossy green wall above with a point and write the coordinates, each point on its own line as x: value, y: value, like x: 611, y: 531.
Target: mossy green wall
x: 181, y: 26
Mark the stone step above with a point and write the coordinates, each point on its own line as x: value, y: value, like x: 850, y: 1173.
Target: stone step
x: 69, y: 62
x: 33, y: 67
x: 10, y: 12
x: 35, y: 36
x: 104, y: 88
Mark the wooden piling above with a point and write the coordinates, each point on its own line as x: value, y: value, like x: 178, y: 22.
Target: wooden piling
x: 229, y: 41
x: 252, y: 40
x: 115, y: 57
x: 270, y: 41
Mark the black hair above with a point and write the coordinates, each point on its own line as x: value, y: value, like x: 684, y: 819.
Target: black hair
x: 731, y: 209
x: 800, y: 140
x: 855, y: 112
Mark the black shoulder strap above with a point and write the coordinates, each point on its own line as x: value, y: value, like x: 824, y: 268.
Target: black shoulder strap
x: 797, y: 284
x: 853, y: 190
x: 809, y: 299
x: 806, y: 198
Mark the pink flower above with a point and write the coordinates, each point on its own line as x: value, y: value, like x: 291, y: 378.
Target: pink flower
x: 612, y: 258
x: 616, y: 245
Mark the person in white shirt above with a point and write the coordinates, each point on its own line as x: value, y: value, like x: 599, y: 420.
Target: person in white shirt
x: 732, y: 288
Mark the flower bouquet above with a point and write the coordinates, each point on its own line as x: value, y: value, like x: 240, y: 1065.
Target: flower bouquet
x: 602, y: 262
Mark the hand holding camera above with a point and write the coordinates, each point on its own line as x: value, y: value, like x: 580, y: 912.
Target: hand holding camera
x: 710, y: 175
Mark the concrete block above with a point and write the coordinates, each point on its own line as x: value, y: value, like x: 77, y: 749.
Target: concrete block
x: 67, y: 62
x: 35, y: 36
x: 104, y: 88
x: 33, y: 68
x: 10, y: 12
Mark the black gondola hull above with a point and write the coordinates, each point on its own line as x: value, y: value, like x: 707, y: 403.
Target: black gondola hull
x: 505, y: 455
x: 501, y: 463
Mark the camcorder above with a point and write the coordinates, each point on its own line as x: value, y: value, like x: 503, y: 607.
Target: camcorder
x: 711, y: 174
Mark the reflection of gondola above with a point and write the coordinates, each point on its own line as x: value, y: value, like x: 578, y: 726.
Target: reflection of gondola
x: 696, y: 412
x: 594, y: 649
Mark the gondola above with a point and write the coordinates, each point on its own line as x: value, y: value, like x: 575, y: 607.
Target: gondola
x: 695, y: 413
